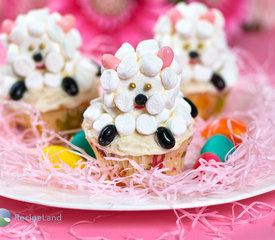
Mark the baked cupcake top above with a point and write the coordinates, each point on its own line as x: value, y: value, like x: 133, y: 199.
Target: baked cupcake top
x: 142, y: 110
x: 196, y: 34
x: 43, y: 61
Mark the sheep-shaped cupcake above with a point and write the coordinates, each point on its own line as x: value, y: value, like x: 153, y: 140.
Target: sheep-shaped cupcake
x: 141, y: 96
x: 42, y: 50
x: 196, y: 35
x: 45, y: 68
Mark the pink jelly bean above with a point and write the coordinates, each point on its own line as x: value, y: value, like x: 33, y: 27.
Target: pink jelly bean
x: 67, y: 22
x: 174, y: 16
x: 206, y: 156
x: 167, y: 55
x: 208, y: 16
x: 109, y: 61
x: 7, y: 26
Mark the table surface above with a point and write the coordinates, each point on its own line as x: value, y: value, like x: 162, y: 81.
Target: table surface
x: 153, y: 224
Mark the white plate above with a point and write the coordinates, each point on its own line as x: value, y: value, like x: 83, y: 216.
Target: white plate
x: 56, y: 197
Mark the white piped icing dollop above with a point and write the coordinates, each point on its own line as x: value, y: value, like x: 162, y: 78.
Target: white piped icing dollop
x: 42, y: 49
x: 196, y: 34
x: 144, y: 97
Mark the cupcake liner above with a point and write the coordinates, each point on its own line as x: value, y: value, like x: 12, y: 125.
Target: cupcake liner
x: 209, y: 104
x: 58, y: 120
x: 174, y: 160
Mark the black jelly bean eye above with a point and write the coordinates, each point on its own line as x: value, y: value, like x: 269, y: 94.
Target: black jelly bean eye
x: 165, y: 138
x: 69, y: 85
x: 218, y: 81
x: 107, y: 135
x: 194, y: 110
x: 17, y: 90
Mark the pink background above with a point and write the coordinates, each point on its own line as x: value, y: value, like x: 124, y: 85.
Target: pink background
x: 153, y: 224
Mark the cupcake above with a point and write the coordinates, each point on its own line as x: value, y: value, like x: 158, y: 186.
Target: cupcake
x: 196, y: 34
x: 142, y: 115
x: 45, y: 69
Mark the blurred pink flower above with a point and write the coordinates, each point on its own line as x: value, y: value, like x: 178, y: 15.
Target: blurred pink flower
x: 106, y: 24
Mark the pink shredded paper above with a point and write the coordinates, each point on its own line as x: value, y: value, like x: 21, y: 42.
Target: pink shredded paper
x: 252, y: 101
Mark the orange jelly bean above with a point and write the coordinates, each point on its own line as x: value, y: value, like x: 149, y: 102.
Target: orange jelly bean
x: 231, y: 128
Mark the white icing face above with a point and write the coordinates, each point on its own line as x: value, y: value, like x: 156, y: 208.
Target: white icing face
x: 196, y: 35
x: 42, y: 50
x: 141, y: 91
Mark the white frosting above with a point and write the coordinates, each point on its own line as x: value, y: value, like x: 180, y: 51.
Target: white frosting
x: 165, y: 105
x: 39, y: 32
x: 199, y: 29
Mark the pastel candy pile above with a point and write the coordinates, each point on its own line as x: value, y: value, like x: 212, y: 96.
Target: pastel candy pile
x: 42, y: 51
x: 234, y: 129
x: 223, y: 135
x: 196, y: 35
x: 141, y: 93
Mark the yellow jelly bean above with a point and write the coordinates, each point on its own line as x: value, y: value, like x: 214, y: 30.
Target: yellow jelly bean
x: 57, y: 153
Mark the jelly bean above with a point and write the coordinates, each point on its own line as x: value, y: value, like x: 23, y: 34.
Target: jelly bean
x: 107, y: 135
x: 220, y: 146
x: 165, y: 138
x: 167, y: 56
x: 69, y: 85
x: 17, y: 90
x: 218, y: 81
x: 67, y: 22
x: 231, y: 128
x: 109, y: 61
x: 80, y: 141
x: 206, y: 156
x: 57, y: 153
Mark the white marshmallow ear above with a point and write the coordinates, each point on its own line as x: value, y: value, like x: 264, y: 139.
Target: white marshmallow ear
x: 146, y: 124
x: 93, y: 111
x: 201, y: 73
x: 169, y: 78
x: 36, y: 28
x: 163, y: 25
x: 12, y: 53
x: 176, y: 66
x: 109, y: 80
x: 125, y: 50
x: 18, y: 34
x: 101, y: 122
x: 128, y: 67
x: 54, y: 62
x: 52, y: 80
x: 177, y: 126
x: 108, y: 99
x: 68, y: 48
x: 23, y: 66
x: 85, y: 74
x: 125, y: 124
x: 55, y: 33
x: 155, y: 104
x: 34, y: 82
x: 205, y: 29
x: 219, y: 18
x: 150, y: 64
x: 147, y: 46
x: 185, y: 27
x: 124, y: 102
x: 74, y: 36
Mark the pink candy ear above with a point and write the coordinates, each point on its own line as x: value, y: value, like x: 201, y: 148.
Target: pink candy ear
x: 208, y: 16
x: 7, y: 26
x: 109, y: 61
x: 66, y: 23
x: 167, y: 55
x: 174, y: 16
